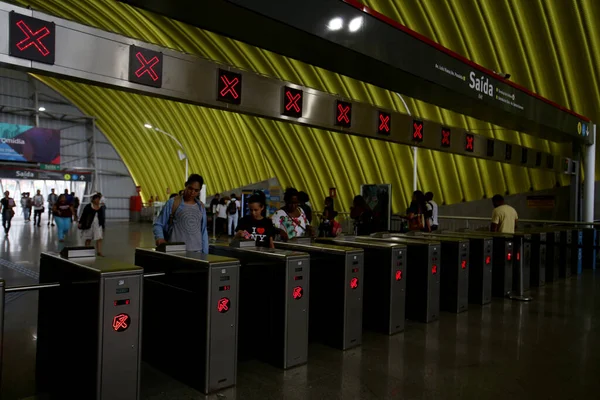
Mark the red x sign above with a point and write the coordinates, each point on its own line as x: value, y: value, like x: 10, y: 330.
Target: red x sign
x: 353, y: 283
x: 434, y: 269
x: 343, y: 116
x: 121, y: 322
x: 223, y: 305
x: 146, y: 66
x: 399, y: 275
x: 469, y: 141
x: 418, y: 131
x: 463, y: 264
x: 229, y: 87
x: 297, y: 292
x: 293, y: 101
x: 33, y: 38
x: 446, y: 137
x: 384, y: 123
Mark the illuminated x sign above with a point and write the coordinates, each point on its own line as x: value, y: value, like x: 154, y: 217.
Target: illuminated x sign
x: 434, y: 269
x: 417, y: 134
x: 229, y: 87
x: 121, y: 322
x: 292, y: 102
x: 297, y: 292
x: 223, y: 305
x: 343, y: 114
x: 31, y: 38
x: 463, y: 264
x: 353, y: 283
x: 384, y: 123
x: 145, y: 66
x: 488, y: 260
x: 446, y: 134
x: 399, y: 275
x: 469, y: 142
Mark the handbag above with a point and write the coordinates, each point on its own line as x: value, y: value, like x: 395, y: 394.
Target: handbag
x: 416, y: 223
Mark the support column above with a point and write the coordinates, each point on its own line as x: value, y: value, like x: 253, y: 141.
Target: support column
x: 415, y: 168
x: 590, y: 178
x: 575, y: 195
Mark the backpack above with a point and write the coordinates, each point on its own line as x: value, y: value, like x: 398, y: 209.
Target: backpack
x: 232, y: 207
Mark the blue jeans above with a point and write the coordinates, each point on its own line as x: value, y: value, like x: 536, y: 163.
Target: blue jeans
x: 27, y: 214
x: 63, y: 224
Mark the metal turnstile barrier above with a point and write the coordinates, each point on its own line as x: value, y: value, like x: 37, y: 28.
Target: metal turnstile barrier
x: 336, y: 292
x: 565, y: 255
x: 273, y: 304
x: 384, y: 288
x: 454, y: 280
x: 480, y: 265
x: 589, y: 245
x: 190, y: 316
x: 89, y: 326
x: 539, y: 255
x: 423, y: 269
x: 552, y: 252
x: 576, y: 251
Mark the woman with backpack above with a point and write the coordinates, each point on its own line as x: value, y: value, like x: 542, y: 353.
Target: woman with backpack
x: 91, y: 224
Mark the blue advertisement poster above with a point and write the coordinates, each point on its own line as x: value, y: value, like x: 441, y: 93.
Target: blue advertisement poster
x: 29, y: 144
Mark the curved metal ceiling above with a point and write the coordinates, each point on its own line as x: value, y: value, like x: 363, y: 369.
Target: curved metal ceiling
x: 232, y: 150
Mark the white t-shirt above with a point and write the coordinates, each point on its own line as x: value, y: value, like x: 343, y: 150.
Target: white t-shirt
x: 221, y: 211
x: 434, y: 213
x: 38, y: 202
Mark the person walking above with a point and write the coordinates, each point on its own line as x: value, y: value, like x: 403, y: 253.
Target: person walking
x: 52, y: 199
x: 233, y: 210
x: 221, y: 211
x: 8, y: 212
x: 63, y: 215
x: 290, y: 220
x: 76, y: 204
x: 92, y: 223
x: 38, y: 208
x: 433, y: 221
x: 183, y: 219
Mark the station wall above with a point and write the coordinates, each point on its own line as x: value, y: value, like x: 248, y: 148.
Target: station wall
x: 17, y: 90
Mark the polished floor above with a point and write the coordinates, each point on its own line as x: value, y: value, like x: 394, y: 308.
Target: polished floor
x: 546, y: 349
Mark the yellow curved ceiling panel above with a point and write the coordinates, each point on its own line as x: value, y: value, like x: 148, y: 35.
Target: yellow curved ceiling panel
x: 233, y: 150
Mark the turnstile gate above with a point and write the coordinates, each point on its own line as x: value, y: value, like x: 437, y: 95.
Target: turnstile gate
x: 274, y: 298
x: 191, y: 316
x: 552, y: 252
x: 589, y: 244
x: 565, y: 257
x: 423, y: 269
x: 89, y: 327
x: 454, y: 281
x: 576, y: 251
x: 336, y: 292
x: 384, y: 288
x: 480, y: 265
x: 538, y: 259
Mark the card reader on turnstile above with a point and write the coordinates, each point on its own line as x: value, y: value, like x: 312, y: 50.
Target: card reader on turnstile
x: 274, y: 299
x: 191, y: 315
x: 89, y: 328
x: 384, y: 288
x: 336, y: 292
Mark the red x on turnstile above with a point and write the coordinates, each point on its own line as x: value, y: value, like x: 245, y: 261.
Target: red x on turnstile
x: 33, y: 38
x: 146, y: 66
x: 343, y: 113
x: 229, y: 87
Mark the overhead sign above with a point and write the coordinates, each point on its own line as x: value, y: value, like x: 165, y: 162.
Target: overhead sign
x: 523, y: 156
x: 343, y: 114
x: 145, y: 66
x: 384, y: 123
x: 490, y: 148
x: 31, y: 38
x: 469, y: 142
x: 24, y: 143
x: 417, y: 131
x: 292, y: 102
x: 229, y: 87
x: 446, y: 137
x: 50, y: 167
x: 34, y: 174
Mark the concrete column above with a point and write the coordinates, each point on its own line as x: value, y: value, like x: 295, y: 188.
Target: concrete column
x: 590, y: 178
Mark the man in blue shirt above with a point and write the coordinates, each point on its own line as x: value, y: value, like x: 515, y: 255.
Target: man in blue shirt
x: 183, y: 219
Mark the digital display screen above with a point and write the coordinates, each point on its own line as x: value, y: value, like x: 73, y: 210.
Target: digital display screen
x: 384, y: 123
x: 446, y: 136
x: 229, y: 87
x: 224, y: 278
x: 508, y: 152
x: 550, y: 161
x: 490, y: 148
x: 122, y: 290
x: 297, y: 269
x: 298, y: 278
x: 292, y: 102
x: 538, y: 159
x: 31, y: 38
x: 145, y: 66
x: 523, y: 156
x: 418, y: 131
x: 224, y: 288
x: 354, y: 270
x: 343, y: 114
x: 122, y: 302
x: 469, y: 142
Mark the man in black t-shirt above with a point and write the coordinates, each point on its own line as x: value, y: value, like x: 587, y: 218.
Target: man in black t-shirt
x: 8, y: 204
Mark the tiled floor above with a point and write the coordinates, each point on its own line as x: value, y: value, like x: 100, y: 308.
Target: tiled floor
x: 546, y: 349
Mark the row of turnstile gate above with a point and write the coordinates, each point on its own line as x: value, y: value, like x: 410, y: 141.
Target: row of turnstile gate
x: 202, y: 313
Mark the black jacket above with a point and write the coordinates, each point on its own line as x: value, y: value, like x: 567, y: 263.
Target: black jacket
x: 87, y: 217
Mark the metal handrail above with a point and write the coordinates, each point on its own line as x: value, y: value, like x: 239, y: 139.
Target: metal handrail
x: 529, y: 221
